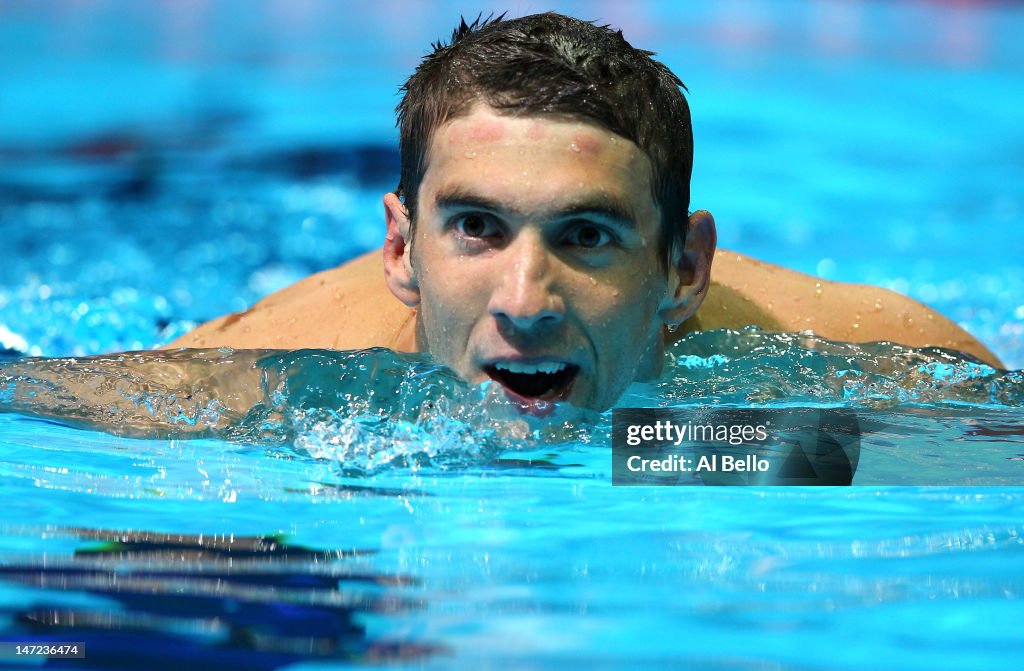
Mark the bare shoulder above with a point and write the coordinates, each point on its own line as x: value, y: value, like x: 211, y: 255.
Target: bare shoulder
x: 348, y: 307
x: 746, y: 291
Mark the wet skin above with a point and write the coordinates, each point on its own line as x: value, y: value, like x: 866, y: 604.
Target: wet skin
x: 526, y: 253
x: 536, y: 243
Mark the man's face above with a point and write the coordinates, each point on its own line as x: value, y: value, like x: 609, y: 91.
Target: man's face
x: 536, y: 258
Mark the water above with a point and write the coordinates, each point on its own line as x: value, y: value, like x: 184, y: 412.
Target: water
x: 871, y: 143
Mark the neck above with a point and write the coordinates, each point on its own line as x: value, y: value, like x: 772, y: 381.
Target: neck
x: 408, y: 338
x: 653, y: 357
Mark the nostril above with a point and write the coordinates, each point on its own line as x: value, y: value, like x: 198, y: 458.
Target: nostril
x: 526, y: 321
x: 524, y: 310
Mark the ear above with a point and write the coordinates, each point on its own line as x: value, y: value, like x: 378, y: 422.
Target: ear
x: 690, y: 271
x: 398, y: 271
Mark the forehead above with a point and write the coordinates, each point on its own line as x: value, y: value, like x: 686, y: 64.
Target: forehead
x: 485, y: 126
x: 536, y: 159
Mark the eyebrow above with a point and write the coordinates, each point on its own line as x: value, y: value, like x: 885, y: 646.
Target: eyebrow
x: 600, y: 206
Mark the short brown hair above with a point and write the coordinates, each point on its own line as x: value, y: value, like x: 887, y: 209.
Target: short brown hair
x: 557, y: 65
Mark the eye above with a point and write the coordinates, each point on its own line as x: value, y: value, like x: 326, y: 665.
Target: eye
x: 589, y: 236
x: 476, y: 226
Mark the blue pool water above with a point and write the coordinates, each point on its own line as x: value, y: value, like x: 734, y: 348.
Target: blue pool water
x: 162, y: 164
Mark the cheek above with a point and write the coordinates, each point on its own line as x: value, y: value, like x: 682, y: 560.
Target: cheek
x: 635, y: 296
x: 449, y: 305
x: 623, y: 318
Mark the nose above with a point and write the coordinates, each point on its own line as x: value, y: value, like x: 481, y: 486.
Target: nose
x: 525, y: 298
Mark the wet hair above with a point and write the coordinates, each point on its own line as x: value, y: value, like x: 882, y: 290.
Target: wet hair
x: 550, y: 64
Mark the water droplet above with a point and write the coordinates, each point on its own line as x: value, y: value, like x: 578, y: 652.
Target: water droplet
x: 817, y: 289
x: 856, y: 326
x: 574, y: 147
x: 878, y: 304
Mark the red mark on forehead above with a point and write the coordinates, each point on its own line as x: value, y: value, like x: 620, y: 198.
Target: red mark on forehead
x: 476, y: 132
x: 535, y: 131
x: 587, y: 144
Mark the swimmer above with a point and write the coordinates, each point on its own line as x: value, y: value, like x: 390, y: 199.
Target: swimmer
x: 540, y: 235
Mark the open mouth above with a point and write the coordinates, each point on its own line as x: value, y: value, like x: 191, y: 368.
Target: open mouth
x: 547, y: 381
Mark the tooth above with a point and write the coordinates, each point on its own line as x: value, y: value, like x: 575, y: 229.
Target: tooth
x: 516, y: 367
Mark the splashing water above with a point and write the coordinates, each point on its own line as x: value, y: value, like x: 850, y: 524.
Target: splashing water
x: 375, y: 409
x: 753, y: 367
